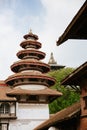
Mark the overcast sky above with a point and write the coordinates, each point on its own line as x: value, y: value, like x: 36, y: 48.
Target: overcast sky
x: 48, y: 19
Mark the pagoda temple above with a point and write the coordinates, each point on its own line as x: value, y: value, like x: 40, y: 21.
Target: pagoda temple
x: 53, y: 64
x: 28, y: 89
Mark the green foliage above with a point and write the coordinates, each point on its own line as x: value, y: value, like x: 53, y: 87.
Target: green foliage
x: 69, y: 97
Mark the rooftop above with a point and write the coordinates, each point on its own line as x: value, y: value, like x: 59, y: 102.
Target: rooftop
x: 75, y: 77
x: 77, y: 29
x: 60, y: 116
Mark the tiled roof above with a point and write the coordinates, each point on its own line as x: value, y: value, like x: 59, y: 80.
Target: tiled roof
x: 75, y: 77
x: 40, y: 54
x: 28, y: 42
x: 3, y: 90
x: 47, y: 91
x: 30, y: 34
x: 31, y: 75
x: 60, y: 116
x: 77, y: 29
x: 16, y: 66
x: 31, y: 61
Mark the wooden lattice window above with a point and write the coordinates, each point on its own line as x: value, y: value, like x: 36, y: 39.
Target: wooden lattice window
x: 5, y: 108
x: 3, y: 126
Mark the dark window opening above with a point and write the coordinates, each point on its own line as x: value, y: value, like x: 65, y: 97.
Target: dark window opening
x: 85, y: 99
x: 5, y: 108
x: 33, y: 98
x: 3, y: 126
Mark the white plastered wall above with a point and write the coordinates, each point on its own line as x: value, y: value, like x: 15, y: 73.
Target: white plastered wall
x: 29, y: 116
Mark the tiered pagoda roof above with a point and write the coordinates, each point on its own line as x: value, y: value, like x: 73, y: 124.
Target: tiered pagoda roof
x: 29, y: 70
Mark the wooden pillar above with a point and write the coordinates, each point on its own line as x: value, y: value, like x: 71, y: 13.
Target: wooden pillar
x: 83, y: 119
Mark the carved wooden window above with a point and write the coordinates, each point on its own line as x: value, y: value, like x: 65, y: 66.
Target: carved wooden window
x: 3, y: 126
x: 4, y: 108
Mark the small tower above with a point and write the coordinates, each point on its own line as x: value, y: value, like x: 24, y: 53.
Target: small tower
x: 53, y: 64
x: 51, y: 60
x: 30, y: 85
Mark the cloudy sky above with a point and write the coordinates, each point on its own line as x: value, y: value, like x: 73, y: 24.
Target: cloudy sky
x: 48, y: 19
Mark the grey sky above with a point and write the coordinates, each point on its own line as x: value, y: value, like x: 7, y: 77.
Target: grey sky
x: 48, y: 19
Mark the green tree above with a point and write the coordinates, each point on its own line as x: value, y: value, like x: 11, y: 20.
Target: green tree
x: 69, y: 96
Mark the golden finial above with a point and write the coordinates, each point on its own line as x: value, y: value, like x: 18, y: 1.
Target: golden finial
x: 30, y: 32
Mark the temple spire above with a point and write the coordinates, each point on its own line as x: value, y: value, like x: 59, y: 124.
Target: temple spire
x: 30, y: 31
x: 53, y: 64
x: 52, y: 60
